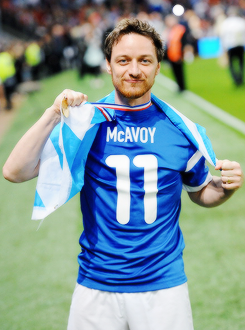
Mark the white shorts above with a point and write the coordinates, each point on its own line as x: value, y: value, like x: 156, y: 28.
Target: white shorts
x: 167, y: 309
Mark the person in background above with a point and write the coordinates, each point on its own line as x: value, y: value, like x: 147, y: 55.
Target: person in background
x: 19, y: 61
x: 131, y: 271
x: 175, y: 43
x: 232, y: 34
x: 7, y: 75
x: 34, y: 59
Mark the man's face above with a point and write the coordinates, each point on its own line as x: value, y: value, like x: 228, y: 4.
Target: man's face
x: 133, y: 68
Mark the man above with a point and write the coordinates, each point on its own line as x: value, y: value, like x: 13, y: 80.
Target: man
x: 232, y: 34
x: 176, y: 41
x: 131, y: 273
x: 8, y: 75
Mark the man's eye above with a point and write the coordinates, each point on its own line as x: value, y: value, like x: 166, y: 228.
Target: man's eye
x: 123, y: 61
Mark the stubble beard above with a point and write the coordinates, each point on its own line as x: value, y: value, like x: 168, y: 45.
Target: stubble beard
x: 131, y: 91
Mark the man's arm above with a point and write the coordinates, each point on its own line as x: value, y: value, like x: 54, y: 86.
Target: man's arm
x: 23, y: 162
x: 220, y: 188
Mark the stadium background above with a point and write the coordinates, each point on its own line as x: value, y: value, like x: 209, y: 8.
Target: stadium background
x: 38, y: 267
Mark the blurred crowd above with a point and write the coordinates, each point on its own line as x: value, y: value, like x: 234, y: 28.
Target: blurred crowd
x: 54, y: 35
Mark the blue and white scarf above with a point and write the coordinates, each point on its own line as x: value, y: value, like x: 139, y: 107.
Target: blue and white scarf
x: 62, y: 164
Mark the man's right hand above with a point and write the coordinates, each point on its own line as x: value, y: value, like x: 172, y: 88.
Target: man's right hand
x: 72, y: 98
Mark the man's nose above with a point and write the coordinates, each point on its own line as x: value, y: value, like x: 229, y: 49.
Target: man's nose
x: 134, y: 68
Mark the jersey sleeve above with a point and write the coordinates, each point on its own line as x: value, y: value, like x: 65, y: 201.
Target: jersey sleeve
x: 197, y: 174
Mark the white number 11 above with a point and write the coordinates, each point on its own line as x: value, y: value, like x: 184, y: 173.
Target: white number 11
x: 122, y: 165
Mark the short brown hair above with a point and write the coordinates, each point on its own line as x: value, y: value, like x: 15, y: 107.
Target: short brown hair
x: 133, y: 25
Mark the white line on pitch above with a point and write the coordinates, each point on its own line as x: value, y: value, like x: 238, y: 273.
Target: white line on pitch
x: 204, y: 105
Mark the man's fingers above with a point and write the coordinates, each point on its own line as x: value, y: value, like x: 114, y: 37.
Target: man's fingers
x: 230, y: 179
x: 231, y: 174
x: 230, y: 165
x: 74, y: 98
x: 71, y: 98
x: 226, y: 165
x: 219, y: 165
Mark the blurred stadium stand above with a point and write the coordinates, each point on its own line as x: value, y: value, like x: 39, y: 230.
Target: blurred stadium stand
x: 67, y: 31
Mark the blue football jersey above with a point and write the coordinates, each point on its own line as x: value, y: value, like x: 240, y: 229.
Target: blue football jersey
x: 131, y: 201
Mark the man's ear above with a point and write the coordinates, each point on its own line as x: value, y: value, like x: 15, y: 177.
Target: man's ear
x: 158, y: 68
x: 108, y: 66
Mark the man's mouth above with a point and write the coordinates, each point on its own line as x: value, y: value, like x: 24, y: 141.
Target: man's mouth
x: 133, y: 81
